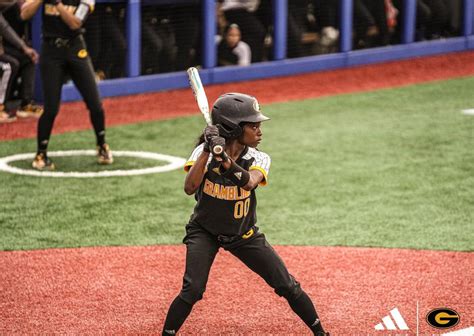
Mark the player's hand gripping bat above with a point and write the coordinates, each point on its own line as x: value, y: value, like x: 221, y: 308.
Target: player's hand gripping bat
x: 201, y: 99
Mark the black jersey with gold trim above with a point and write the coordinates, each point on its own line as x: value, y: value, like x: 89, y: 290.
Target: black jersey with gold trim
x: 222, y: 207
x: 54, y: 26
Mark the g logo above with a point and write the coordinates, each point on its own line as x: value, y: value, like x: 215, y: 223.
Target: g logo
x: 442, y: 318
x: 256, y: 106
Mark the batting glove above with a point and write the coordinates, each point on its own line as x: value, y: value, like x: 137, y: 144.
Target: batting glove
x: 209, y: 132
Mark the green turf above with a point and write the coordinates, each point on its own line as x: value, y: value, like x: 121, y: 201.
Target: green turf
x: 390, y: 168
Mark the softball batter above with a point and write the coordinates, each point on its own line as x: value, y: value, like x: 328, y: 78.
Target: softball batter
x: 225, y: 213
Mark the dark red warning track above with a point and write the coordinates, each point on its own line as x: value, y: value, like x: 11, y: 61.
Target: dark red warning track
x: 126, y: 290
x: 146, y: 107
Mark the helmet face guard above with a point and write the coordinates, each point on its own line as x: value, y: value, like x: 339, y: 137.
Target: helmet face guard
x: 231, y: 110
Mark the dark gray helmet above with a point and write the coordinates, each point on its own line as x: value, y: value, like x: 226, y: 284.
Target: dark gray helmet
x: 231, y: 110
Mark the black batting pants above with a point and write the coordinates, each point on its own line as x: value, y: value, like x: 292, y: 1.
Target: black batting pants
x: 56, y: 61
x: 255, y: 252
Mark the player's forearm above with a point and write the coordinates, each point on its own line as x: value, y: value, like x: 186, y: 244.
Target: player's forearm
x: 255, y: 178
x: 7, y: 32
x: 29, y: 9
x: 68, y: 18
x: 196, y: 174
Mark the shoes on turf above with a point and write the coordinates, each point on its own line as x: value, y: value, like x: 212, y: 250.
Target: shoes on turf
x: 30, y: 110
x: 104, y: 155
x: 6, y: 117
x: 43, y: 162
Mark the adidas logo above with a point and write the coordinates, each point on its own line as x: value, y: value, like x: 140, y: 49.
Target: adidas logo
x: 388, y: 324
x: 238, y: 175
x: 315, y: 322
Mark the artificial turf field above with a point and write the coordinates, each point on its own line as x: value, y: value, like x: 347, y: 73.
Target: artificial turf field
x: 391, y: 168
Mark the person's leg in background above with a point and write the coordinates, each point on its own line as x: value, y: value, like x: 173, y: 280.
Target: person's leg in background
x: 26, y: 76
x: 364, y: 24
x: 439, y: 19
x: 113, y: 43
x: 326, y: 13
x: 455, y: 18
x: 294, y: 29
x: 152, y: 45
x: 423, y: 16
x: 119, y: 43
x: 185, y: 20
x: 454, y: 8
x: 82, y: 74
x: 4, y: 79
x: 10, y: 66
x: 52, y: 76
x: 93, y: 38
x: 378, y: 11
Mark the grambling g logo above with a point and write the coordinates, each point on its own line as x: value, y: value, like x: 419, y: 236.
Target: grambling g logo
x: 442, y: 318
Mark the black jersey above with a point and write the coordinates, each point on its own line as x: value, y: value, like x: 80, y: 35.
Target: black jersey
x: 54, y: 26
x: 222, y: 208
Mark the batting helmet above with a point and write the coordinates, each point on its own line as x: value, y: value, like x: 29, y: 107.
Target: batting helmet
x: 231, y: 110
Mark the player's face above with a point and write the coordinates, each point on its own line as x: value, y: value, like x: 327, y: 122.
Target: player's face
x: 233, y: 37
x: 252, y: 134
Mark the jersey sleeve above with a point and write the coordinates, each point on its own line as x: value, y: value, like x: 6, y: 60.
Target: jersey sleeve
x: 243, y: 53
x: 85, y: 8
x: 262, y: 163
x: 194, y: 155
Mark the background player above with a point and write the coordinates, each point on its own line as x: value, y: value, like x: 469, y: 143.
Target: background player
x: 225, y: 213
x: 63, y: 49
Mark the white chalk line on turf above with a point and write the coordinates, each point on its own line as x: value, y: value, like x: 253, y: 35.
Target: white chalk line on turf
x: 173, y: 163
x: 468, y: 112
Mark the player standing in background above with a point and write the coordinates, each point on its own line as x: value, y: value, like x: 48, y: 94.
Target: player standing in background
x: 25, y: 78
x: 9, y: 65
x: 63, y: 50
x: 225, y: 214
x: 231, y: 50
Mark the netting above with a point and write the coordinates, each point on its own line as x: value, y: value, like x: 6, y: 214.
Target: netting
x: 106, y: 39
x: 170, y: 37
x: 171, y: 34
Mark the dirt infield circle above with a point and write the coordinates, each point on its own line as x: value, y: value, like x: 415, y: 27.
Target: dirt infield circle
x: 173, y: 163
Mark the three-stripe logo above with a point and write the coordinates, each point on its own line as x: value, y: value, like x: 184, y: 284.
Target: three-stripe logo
x: 388, y: 324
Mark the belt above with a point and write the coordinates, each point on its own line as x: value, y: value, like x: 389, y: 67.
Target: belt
x: 59, y: 42
x: 231, y: 239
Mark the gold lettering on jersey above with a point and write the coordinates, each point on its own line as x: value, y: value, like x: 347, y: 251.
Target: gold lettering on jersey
x: 50, y: 9
x: 232, y: 193
x: 229, y: 193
